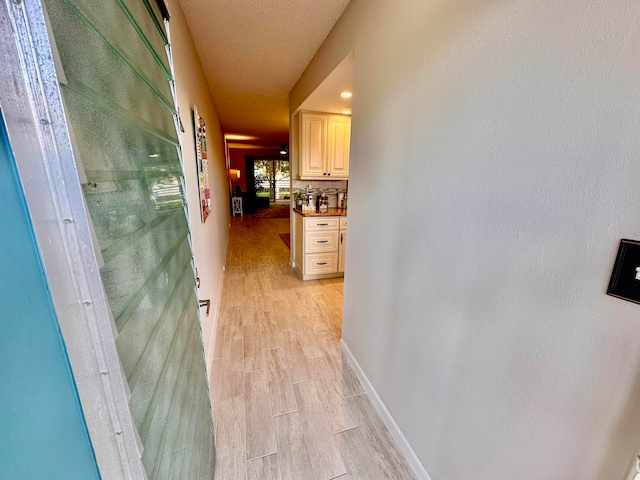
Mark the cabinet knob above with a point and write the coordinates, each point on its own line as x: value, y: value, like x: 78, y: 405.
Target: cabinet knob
x: 328, y: 173
x: 324, y: 173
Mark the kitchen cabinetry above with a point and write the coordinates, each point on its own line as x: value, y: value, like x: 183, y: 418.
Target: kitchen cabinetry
x: 319, y: 246
x: 339, y: 143
x: 342, y: 240
x: 324, y: 146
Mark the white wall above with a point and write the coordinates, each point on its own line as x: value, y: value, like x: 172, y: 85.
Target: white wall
x: 209, y: 239
x: 495, y: 166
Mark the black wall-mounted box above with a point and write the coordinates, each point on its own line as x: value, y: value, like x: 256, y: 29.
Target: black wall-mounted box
x: 625, y: 279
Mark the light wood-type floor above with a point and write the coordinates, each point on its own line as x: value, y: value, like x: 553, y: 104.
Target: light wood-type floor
x: 285, y: 403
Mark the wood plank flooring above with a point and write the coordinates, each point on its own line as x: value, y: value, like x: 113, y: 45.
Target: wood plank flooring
x: 286, y: 405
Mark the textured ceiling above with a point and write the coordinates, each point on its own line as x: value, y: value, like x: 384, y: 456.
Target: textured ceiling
x: 253, y: 52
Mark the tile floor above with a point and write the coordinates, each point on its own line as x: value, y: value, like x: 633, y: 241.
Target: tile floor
x: 285, y: 404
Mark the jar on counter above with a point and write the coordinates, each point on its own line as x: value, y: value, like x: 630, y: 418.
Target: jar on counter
x: 324, y: 202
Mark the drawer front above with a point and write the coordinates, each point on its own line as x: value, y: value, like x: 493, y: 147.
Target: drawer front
x: 343, y: 223
x: 321, y: 223
x: 318, y: 242
x: 319, y: 263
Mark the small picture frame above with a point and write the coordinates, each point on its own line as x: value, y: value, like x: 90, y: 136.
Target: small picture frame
x: 625, y: 278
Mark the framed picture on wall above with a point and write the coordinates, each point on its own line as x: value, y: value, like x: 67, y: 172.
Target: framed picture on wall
x: 202, y: 164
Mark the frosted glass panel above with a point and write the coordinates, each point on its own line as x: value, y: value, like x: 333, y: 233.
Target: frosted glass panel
x: 120, y: 109
x: 135, y: 80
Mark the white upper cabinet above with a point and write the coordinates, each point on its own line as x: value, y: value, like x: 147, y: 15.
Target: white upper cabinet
x: 313, y: 145
x: 339, y: 143
x: 324, y: 146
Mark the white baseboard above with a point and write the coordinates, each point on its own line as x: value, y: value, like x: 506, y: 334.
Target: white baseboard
x: 216, y: 319
x: 214, y: 327
x: 403, y: 445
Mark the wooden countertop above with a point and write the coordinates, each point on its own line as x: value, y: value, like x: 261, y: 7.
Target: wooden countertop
x: 332, y: 212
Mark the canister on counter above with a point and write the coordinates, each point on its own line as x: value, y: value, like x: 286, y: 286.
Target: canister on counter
x: 324, y: 202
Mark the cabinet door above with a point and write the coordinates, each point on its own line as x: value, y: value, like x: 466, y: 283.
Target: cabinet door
x: 339, y: 145
x: 313, y: 141
x: 341, y: 249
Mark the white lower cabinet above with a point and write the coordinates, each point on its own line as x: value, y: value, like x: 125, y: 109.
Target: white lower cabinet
x: 318, y: 242
x: 342, y: 244
x: 320, y: 245
x: 320, y: 263
x: 341, y: 250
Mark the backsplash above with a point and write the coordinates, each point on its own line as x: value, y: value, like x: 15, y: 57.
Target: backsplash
x: 330, y: 187
x: 321, y: 185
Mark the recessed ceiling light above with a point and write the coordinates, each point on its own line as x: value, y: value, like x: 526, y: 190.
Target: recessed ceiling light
x: 346, y: 111
x: 153, y: 155
x: 346, y: 94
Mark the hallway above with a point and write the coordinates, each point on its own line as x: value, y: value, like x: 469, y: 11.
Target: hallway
x: 285, y: 404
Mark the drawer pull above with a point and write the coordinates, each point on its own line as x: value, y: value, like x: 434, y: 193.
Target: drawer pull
x: 322, y: 241
x: 320, y: 263
x: 323, y: 224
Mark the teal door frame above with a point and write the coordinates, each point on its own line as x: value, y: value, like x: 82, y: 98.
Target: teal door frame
x: 44, y: 434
